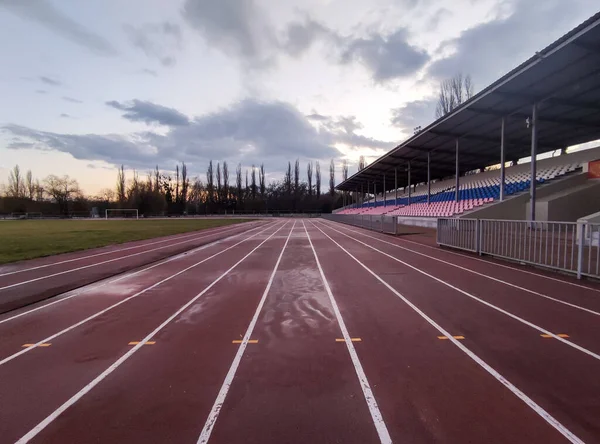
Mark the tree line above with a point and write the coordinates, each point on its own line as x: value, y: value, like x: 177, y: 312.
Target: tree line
x: 222, y: 190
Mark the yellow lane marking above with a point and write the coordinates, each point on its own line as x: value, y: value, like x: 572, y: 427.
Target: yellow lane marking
x: 352, y: 339
x: 250, y: 341
x: 560, y: 335
x: 46, y: 344
x: 137, y: 342
x: 459, y: 337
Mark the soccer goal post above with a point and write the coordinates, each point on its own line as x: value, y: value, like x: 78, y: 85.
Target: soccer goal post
x: 121, y: 213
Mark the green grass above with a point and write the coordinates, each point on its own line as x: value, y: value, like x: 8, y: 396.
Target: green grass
x: 29, y: 239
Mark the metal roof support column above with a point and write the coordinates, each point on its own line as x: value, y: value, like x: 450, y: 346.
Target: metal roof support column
x: 409, y: 182
x: 428, y: 178
x: 533, y: 160
x: 457, y: 186
x: 375, y: 194
x: 384, y: 188
x: 396, y: 185
x: 502, y: 160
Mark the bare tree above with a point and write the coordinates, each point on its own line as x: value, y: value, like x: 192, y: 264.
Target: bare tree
x: 332, y: 178
x: 345, y: 169
x: 39, y: 191
x: 253, y: 182
x: 121, y: 185
x: 247, y: 187
x: 210, y: 182
x: 288, y: 179
x: 362, y: 163
x: 61, y: 190
x: 16, y: 184
x: 177, y: 183
x: 226, y: 181
x: 29, y: 185
x: 219, y: 187
x: 238, y: 182
x: 318, y: 178
x: 453, y: 92
x: 185, y: 186
x: 156, y: 180
x: 309, y: 176
x: 261, y: 180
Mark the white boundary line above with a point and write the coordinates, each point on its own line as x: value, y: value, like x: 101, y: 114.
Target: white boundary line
x: 108, y: 281
x: 501, y: 310
x: 522, y: 396
x: 376, y: 416
x: 45, y: 422
x: 560, y: 301
x: 172, y: 238
x: 216, y: 408
x: 101, y: 312
x: 96, y: 264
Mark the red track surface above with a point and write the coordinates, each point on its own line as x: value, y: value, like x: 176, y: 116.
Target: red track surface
x: 31, y: 281
x: 502, y: 383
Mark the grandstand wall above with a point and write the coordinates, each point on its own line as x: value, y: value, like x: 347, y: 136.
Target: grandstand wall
x: 569, y: 204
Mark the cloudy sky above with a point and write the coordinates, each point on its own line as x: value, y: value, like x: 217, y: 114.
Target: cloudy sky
x: 90, y: 85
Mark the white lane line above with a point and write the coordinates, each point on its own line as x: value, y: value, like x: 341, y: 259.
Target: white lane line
x: 522, y: 396
x: 501, y: 310
x: 173, y: 238
x: 96, y: 286
x: 376, y: 416
x: 98, y: 263
x: 560, y: 301
x: 216, y: 408
x: 45, y: 422
x: 101, y: 312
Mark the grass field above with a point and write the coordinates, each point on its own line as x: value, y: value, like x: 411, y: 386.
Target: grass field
x: 29, y: 239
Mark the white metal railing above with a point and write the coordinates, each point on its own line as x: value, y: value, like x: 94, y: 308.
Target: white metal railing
x: 381, y: 223
x: 567, y: 246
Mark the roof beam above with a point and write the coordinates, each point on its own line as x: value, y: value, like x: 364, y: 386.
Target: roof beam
x: 590, y: 47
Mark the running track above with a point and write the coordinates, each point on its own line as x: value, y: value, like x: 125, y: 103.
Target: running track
x: 299, y: 331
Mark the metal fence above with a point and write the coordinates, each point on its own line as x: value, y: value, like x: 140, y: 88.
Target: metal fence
x: 567, y: 246
x: 381, y: 223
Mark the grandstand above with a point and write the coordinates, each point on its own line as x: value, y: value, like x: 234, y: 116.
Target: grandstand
x: 475, y: 190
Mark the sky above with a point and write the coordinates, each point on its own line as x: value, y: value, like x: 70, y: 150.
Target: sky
x: 89, y: 86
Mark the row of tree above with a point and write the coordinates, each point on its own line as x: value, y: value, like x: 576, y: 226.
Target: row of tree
x: 159, y: 193
x: 247, y: 192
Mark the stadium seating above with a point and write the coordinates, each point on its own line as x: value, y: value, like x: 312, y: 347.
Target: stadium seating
x: 475, y: 189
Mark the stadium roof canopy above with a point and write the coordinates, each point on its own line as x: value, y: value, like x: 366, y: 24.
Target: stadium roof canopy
x: 563, y: 79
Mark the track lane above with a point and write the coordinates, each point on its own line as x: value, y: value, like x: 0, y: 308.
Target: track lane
x: 297, y: 384
x: 560, y: 379
x: 560, y: 288
x: 427, y: 389
x: 85, y: 354
x: 40, y: 324
x: 20, y: 289
x: 539, y: 314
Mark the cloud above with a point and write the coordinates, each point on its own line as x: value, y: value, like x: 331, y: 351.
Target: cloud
x: 44, y: 12
x: 239, y: 28
x: 491, y: 49
x: 413, y: 114
x: 65, y: 116
x: 250, y: 132
x: 300, y: 36
x: 50, y: 81
x: 156, y: 40
x: 149, y: 72
x: 386, y: 57
x: 41, y: 91
x: 71, y: 99
x: 148, y: 112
